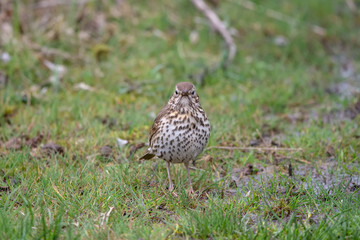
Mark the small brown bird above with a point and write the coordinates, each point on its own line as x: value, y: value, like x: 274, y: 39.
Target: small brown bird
x: 180, y: 131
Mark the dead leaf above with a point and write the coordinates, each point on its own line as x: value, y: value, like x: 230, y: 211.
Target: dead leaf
x: 106, y: 151
x: 35, y: 141
x: 52, y: 148
x: 134, y: 148
x: 110, y: 122
x: 14, y: 143
x: 330, y: 151
x: 121, y: 142
x: 84, y: 86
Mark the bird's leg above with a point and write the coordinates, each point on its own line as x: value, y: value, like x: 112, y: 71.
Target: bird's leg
x: 171, y: 188
x: 191, y: 190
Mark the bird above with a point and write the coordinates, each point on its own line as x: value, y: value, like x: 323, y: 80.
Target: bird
x: 180, y: 131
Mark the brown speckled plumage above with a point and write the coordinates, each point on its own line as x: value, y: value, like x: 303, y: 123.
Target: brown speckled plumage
x: 180, y: 131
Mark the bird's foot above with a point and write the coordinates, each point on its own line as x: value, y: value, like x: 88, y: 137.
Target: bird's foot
x: 191, y: 192
x: 171, y: 189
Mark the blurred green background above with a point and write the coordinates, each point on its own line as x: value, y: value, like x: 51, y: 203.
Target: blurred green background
x: 81, y: 74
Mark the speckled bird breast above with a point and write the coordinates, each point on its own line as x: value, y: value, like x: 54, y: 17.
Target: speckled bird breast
x: 181, y: 137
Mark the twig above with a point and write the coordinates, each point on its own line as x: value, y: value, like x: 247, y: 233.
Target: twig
x: 268, y: 12
x: 49, y: 51
x: 105, y: 216
x: 219, y: 26
x: 302, y: 160
x: 351, y: 4
x: 255, y: 148
x: 282, y: 17
x: 51, y: 4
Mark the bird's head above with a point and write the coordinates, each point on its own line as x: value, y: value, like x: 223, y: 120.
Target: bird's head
x: 184, y: 95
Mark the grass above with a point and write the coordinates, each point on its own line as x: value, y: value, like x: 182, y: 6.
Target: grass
x: 132, y: 56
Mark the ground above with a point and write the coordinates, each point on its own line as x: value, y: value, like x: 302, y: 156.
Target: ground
x: 81, y: 83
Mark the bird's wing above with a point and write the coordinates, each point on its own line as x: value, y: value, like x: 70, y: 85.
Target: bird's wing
x: 154, y: 130
x: 155, y: 127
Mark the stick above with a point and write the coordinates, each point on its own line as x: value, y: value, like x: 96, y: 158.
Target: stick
x: 51, y: 4
x: 284, y: 18
x: 49, y: 51
x: 219, y: 26
x: 255, y: 148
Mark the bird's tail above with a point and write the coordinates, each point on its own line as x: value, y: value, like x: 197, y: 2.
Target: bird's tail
x: 147, y: 156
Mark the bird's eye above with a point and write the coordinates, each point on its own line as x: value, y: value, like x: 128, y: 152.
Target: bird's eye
x: 193, y: 92
x: 176, y: 92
